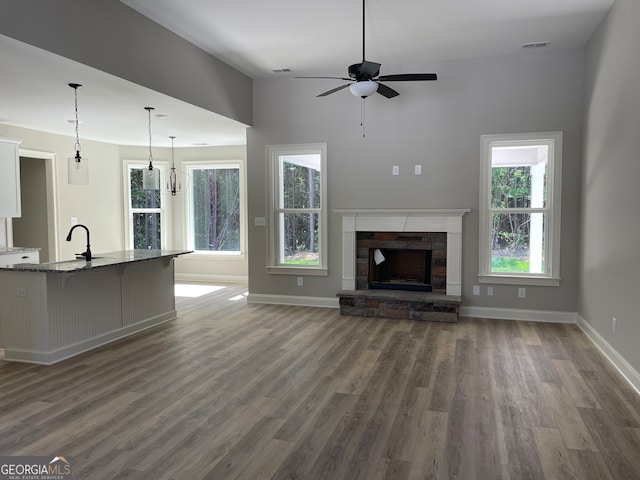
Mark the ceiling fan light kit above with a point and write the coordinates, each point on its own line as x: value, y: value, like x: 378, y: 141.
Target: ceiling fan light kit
x: 364, y: 88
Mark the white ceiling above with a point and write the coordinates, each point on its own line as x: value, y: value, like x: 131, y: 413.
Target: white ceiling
x: 256, y: 37
x: 313, y: 37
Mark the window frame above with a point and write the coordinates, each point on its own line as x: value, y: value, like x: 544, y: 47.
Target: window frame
x: 165, y: 217
x: 189, y: 166
x: 552, y: 209
x: 273, y: 225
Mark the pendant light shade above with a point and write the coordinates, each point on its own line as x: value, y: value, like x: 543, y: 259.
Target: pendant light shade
x: 363, y: 88
x: 77, y: 166
x: 151, y: 175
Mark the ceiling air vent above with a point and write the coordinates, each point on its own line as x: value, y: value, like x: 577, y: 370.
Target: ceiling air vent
x: 281, y: 70
x: 534, y: 45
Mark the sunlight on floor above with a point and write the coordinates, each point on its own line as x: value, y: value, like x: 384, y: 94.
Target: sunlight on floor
x: 193, y: 291
x: 239, y: 297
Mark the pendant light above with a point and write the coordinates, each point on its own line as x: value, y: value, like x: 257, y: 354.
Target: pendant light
x: 174, y: 185
x: 151, y: 176
x: 77, y: 167
x: 177, y: 180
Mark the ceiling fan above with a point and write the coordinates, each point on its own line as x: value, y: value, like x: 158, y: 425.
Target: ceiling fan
x: 365, y: 77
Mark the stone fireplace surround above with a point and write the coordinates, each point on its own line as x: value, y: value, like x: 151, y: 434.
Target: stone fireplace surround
x: 410, y: 220
x: 402, y: 304
x: 434, y: 242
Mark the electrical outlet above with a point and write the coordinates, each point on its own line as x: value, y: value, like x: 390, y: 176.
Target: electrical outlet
x: 396, y: 170
x: 489, y: 291
x: 300, y: 281
x: 614, y: 325
x: 522, y: 292
x: 476, y: 289
x: 21, y: 292
x: 260, y: 221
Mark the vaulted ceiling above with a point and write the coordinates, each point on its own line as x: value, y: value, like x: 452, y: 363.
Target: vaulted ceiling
x: 298, y: 36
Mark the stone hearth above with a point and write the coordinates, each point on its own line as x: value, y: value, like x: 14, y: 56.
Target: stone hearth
x: 400, y: 304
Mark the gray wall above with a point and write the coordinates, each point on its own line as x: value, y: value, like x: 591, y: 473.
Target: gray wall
x: 610, y: 263
x: 116, y: 39
x: 435, y: 124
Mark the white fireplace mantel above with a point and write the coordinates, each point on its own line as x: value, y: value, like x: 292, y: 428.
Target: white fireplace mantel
x: 406, y: 220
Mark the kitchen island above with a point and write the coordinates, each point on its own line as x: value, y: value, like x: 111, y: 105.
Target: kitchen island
x: 53, y: 311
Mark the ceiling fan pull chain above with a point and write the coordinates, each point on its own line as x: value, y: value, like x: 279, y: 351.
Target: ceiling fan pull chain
x: 362, y: 114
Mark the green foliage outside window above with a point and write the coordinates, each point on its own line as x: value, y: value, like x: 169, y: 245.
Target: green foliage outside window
x: 510, y: 188
x: 216, y: 209
x: 146, y: 225
x: 301, y: 189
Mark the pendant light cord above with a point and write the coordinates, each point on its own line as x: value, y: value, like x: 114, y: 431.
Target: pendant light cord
x: 75, y: 94
x: 148, y: 109
x: 77, y: 122
x: 173, y: 163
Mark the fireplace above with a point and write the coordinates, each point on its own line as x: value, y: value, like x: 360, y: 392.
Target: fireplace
x: 413, y: 261
x: 446, y: 264
x: 400, y: 269
x: 369, y: 236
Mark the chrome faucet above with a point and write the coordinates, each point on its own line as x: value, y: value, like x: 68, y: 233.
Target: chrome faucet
x: 86, y: 254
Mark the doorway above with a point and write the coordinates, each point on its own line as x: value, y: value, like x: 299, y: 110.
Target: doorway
x: 36, y: 228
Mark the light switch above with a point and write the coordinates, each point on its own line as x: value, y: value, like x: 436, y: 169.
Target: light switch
x: 396, y: 170
x: 417, y: 170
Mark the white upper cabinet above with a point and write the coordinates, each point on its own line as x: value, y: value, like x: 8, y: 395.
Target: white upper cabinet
x: 9, y: 178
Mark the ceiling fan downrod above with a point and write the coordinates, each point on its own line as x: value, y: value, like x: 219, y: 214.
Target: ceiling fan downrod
x: 363, y: 36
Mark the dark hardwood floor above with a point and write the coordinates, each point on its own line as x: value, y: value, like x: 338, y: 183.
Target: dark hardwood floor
x: 237, y: 391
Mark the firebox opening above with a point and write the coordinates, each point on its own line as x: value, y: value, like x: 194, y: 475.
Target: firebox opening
x: 400, y: 269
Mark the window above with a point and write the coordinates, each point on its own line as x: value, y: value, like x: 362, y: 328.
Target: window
x: 520, y: 208
x: 145, y: 212
x: 214, y: 208
x: 297, y: 225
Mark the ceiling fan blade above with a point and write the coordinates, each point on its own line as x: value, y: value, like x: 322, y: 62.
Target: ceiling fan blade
x: 368, y: 70
x: 408, y: 77
x: 333, y: 78
x: 386, y: 91
x: 333, y: 90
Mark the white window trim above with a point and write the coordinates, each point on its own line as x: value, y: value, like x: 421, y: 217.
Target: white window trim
x: 551, y: 277
x: 189, y: 166
x: 165, y: 214
x: 273, y: 152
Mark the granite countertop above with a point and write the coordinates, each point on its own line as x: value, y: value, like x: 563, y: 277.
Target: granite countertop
x: 100, y: 260
x: 9, y: 250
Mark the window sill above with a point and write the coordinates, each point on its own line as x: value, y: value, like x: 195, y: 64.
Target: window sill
x: 216, y: 256
x: 519, y: 280
x: 286, y: 270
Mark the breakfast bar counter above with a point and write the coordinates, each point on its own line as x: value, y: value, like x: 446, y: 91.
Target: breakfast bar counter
x: 53, y: 311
